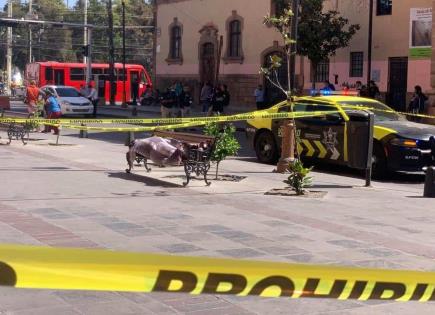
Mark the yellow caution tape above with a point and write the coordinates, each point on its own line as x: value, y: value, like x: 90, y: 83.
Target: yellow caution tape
x: 82, y: 269
x: 158, y: 121
x: 174, y: 123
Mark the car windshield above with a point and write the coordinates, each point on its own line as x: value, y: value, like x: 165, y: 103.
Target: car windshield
x: 382, y: 112
x: 67, y: 92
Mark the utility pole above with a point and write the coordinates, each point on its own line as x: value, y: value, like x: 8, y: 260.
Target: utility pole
x: 85, y: 31
x: 111, y: 53
x: 30, y: 32
x: 89, y: 56
x: 9, y: 51
x: 370, y: 44
x: 124, y: 74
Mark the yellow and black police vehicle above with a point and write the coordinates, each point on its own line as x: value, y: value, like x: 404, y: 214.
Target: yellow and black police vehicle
x: 399, y: 144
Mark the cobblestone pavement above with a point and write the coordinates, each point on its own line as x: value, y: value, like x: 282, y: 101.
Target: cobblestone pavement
x: 77, y: 195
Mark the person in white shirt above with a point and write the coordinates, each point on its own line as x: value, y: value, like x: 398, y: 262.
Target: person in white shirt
x: 92, y: 95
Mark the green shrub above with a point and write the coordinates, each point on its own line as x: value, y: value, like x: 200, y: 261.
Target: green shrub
x: 226, y: 142
x: 298, y: 178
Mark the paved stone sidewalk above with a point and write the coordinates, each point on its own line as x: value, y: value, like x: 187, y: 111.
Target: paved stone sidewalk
x: 77, y: 195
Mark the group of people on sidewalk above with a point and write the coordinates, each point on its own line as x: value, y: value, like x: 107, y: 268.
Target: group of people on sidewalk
x: 214, y: 99
x: 176, y: 101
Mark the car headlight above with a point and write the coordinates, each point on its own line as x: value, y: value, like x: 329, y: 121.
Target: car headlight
x: 408, y: 143
x: 65, y: 103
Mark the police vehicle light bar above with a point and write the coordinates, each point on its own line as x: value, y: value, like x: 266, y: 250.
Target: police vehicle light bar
x: 322, y: 92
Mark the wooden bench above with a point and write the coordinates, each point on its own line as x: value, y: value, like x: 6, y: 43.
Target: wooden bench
x: 199, y: 149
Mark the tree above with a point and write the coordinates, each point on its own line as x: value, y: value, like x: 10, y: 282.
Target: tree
x: 284, y: 24
x: 321, y: 33
x: 226, y: 142
x: 64, y: 44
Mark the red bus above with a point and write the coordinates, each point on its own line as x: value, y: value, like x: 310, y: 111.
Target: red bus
x: 74, y: 74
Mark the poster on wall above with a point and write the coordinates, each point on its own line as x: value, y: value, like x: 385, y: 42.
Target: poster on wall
x: 420, y: 37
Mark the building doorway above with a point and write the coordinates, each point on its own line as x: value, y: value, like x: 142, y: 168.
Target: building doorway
x: 208, y: 62
x: 273, y: 94
x: 397, y: 83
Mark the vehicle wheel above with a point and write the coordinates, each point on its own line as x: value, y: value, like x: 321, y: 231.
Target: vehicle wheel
x: 266, y: 148
x: 379, y: 162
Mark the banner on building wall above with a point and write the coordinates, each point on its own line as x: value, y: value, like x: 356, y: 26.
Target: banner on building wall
x: 420, y: 34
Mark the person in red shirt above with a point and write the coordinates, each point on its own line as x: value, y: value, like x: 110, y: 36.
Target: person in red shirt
x: 32, y: 96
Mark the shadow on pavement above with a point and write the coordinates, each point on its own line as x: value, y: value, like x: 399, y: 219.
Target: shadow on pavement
x: 332, y: 187
x: 395, y: 178
x: 148, y: 181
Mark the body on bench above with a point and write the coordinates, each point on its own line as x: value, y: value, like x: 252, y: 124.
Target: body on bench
x: 197, y: 155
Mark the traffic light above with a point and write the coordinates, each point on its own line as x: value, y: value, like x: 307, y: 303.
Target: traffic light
x: 85, y: 50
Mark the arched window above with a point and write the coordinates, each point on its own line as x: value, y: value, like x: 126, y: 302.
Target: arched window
x: 234, y: 28
x: 176, y: 42
x: 175, y: 36
x: 235, y: 39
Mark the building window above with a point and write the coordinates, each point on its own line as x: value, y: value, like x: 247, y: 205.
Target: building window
x: 77, y: 74
x: 235, y: 39
x: 356, y: 64
x: 176, y: 42
x: 384, y: 7
x: 175, y: 32
x: 278, y: 7
x: 322, y: 73
x: 234, y: 50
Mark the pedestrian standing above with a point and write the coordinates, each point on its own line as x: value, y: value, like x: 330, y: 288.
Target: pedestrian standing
x: 259, y: 97
x: 2, y: 87
x: 33, y: 94
x: 418, y: 102
x: 54, y: 111
x: 168, y: 101
x: 83, y: 90
x: 364, y: 91
x: 186, y: 102
x: 178, y: 88
x: 13, y: 87
x: 373, y: 90
x: 218, y: 101
x: 93, y: 97
x: 206, y: 96
x: 135, y: 91
x: 358, y: 87
x: 227, y: 95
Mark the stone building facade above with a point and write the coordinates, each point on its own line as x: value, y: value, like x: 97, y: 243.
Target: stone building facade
x: 189, y: 34
x: 188, y: 41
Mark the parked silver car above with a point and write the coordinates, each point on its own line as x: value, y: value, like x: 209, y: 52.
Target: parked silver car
x: 70, y: 100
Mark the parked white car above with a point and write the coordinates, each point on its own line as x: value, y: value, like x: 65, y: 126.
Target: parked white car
x: 70, y: 100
